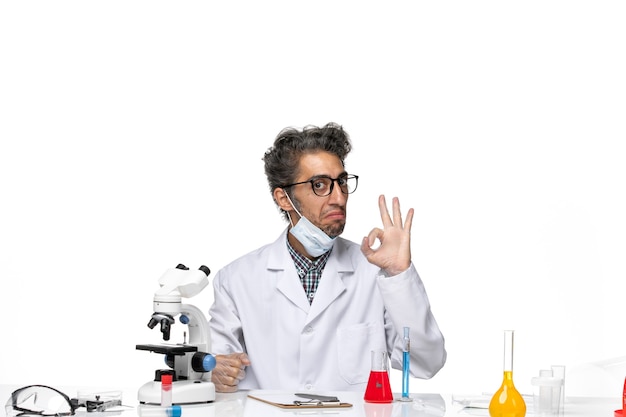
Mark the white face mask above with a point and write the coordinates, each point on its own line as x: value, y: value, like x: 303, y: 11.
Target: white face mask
x: 314, y: 240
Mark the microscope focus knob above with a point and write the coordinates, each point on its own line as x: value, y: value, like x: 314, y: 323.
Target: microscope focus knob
x: 203, y: 362
x: 205, y: 269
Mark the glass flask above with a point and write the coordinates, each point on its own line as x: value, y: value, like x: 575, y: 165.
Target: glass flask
x: 507, y: 401
x: 378, y: 388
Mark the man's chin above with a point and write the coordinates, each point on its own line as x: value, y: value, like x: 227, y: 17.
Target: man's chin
x: 335, y: 231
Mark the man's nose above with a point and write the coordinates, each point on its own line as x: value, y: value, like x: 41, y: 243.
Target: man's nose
x: 337, y: 196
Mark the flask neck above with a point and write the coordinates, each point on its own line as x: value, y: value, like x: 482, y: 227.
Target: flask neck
x: 508, y: 379
x: 508, y: 351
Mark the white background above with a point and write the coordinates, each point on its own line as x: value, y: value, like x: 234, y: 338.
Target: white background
x: 132, y: 134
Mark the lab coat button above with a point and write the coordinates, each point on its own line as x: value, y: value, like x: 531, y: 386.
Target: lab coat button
x: 308, y: 387
x: 308, y: 329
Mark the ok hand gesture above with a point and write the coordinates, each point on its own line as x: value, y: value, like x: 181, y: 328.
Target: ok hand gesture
x: 394, y: 253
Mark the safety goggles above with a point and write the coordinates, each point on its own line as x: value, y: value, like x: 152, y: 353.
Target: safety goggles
x: 39, y: 400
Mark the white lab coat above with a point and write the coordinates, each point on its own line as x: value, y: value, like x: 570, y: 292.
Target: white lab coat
x: 261, y: 308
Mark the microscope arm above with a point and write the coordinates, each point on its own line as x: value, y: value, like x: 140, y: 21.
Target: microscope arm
x: 198, y: 327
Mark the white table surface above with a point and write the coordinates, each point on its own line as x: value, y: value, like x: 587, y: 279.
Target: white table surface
x: 239, y: 405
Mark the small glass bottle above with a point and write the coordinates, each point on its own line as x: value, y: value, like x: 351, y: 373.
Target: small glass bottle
x: 166, y: 390
x: 507, y: 401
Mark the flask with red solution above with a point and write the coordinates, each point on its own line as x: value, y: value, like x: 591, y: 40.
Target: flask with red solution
x: 378, y: 388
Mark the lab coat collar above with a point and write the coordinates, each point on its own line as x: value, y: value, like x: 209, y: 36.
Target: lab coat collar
x: 331, y: 285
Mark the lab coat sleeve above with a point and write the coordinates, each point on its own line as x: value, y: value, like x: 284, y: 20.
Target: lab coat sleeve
x: 407, y: 305
x: 224, y: 323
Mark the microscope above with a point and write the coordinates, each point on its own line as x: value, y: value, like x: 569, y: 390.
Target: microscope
x: 189, y: 363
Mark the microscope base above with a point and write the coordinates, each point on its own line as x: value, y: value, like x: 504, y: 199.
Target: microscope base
x: 183, y: 392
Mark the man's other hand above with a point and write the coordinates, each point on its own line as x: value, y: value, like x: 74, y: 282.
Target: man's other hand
x: 230, y: 369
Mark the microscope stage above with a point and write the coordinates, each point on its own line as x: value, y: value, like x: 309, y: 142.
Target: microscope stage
x: 168, y: 349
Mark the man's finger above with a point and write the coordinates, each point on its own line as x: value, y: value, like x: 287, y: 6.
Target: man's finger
x: 397, y: 214
x: 384, y: 213
x: 243, y: 357
x: 409, y: 220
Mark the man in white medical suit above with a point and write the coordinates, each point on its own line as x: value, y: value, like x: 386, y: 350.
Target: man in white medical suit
x: 304, y: 312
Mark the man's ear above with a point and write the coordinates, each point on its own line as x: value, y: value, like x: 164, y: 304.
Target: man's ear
x: 280, y: 196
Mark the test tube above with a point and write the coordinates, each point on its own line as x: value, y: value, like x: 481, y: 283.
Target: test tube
x: 166, y: 390
x: 558, y: 371
x: 156, y: 411
x: 405, y: 364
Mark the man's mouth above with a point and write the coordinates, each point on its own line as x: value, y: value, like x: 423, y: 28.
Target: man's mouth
x: 335, y: 214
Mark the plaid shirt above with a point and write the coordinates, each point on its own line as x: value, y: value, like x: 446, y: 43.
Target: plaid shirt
x: 310, y: 272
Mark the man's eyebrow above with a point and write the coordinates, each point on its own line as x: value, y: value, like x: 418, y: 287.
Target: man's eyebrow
x: 316, y: 177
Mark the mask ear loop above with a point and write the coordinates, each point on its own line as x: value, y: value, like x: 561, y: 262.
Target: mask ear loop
x: 290, y: 221
x: 294, y: 207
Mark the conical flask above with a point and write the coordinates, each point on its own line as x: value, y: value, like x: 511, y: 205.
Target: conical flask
x: 378, y: 388
x: 507, y: 401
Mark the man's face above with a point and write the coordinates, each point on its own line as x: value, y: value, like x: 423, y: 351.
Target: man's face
x: 329, y: 212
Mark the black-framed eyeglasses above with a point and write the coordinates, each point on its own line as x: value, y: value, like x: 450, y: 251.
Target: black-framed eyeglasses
x: 323, y: 185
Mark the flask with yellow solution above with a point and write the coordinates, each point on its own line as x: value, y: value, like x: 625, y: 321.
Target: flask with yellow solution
x: 507, y: 401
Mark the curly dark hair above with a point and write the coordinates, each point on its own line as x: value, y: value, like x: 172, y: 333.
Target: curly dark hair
x: 282, y: 159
